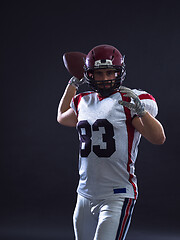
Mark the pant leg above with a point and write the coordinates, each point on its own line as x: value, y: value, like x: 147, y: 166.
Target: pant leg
x: 83, y: 220
x: 114, y: 219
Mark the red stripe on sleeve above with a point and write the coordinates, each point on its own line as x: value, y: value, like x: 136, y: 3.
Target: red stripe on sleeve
x: 77, y: 100
x: 146, y: 96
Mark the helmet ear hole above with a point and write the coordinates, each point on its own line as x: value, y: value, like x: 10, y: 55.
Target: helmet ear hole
x: 90, y: 74
x: 118, y: 73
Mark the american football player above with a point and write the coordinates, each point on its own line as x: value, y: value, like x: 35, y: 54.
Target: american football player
x: 110, y: 121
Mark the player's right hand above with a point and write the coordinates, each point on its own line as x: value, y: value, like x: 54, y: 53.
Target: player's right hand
x: 76, y: 82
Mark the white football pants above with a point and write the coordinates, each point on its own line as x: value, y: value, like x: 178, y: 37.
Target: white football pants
x: 102, y: 220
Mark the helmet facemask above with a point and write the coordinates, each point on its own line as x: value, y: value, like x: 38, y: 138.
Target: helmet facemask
x: 105, y: 87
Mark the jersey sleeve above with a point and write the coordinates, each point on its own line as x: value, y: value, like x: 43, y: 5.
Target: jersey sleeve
x: 73, y: 104
x: 149, y: 102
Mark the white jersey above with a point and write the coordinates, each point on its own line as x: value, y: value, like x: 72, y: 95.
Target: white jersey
x: 108, y: 144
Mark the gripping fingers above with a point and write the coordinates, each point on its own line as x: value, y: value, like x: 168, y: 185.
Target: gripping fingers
x: 126, y: 104
x: 76, y: 82
x: 137, y: 106
x: 122, y: 88
x: 129, y: 92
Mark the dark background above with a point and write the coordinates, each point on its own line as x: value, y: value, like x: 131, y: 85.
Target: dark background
x: 38, y: 165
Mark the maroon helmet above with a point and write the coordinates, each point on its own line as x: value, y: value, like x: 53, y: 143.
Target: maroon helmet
x: 103, y: 57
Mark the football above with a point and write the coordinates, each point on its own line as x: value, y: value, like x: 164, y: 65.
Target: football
x: 74, y: 63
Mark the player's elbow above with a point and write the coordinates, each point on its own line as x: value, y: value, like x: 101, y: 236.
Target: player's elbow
x: 60, y: 119
x: 162, y: 140
x: 159, y: 140
x: 63, y: 119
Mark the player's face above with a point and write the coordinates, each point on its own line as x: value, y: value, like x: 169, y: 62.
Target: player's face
x: 104, y: 75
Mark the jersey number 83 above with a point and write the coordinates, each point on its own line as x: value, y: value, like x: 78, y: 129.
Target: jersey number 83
x: 85, y: 132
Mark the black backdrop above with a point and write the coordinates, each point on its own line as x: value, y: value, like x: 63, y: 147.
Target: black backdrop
x: 39, y: 167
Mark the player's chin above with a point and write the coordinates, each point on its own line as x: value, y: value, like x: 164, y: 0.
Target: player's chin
x: 105, y: 86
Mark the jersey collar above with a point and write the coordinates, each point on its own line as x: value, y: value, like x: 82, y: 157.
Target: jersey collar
x: 101, y: 97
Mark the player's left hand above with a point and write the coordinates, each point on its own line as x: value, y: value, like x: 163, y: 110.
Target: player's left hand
x: 137, y: 106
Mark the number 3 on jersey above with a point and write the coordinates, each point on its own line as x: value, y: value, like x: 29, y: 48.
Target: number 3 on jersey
x: 85, y: 131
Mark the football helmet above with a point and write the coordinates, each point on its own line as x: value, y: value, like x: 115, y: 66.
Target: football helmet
x: 104, y: 57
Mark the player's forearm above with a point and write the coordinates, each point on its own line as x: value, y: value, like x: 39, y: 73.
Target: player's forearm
x: 65, y: 101
x: 152, y: 129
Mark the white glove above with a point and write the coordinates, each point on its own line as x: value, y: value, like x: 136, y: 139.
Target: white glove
x: 76, y: 82
x: 137, y: 106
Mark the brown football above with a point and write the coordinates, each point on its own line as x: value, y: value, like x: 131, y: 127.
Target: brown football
x: 74, y: 63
